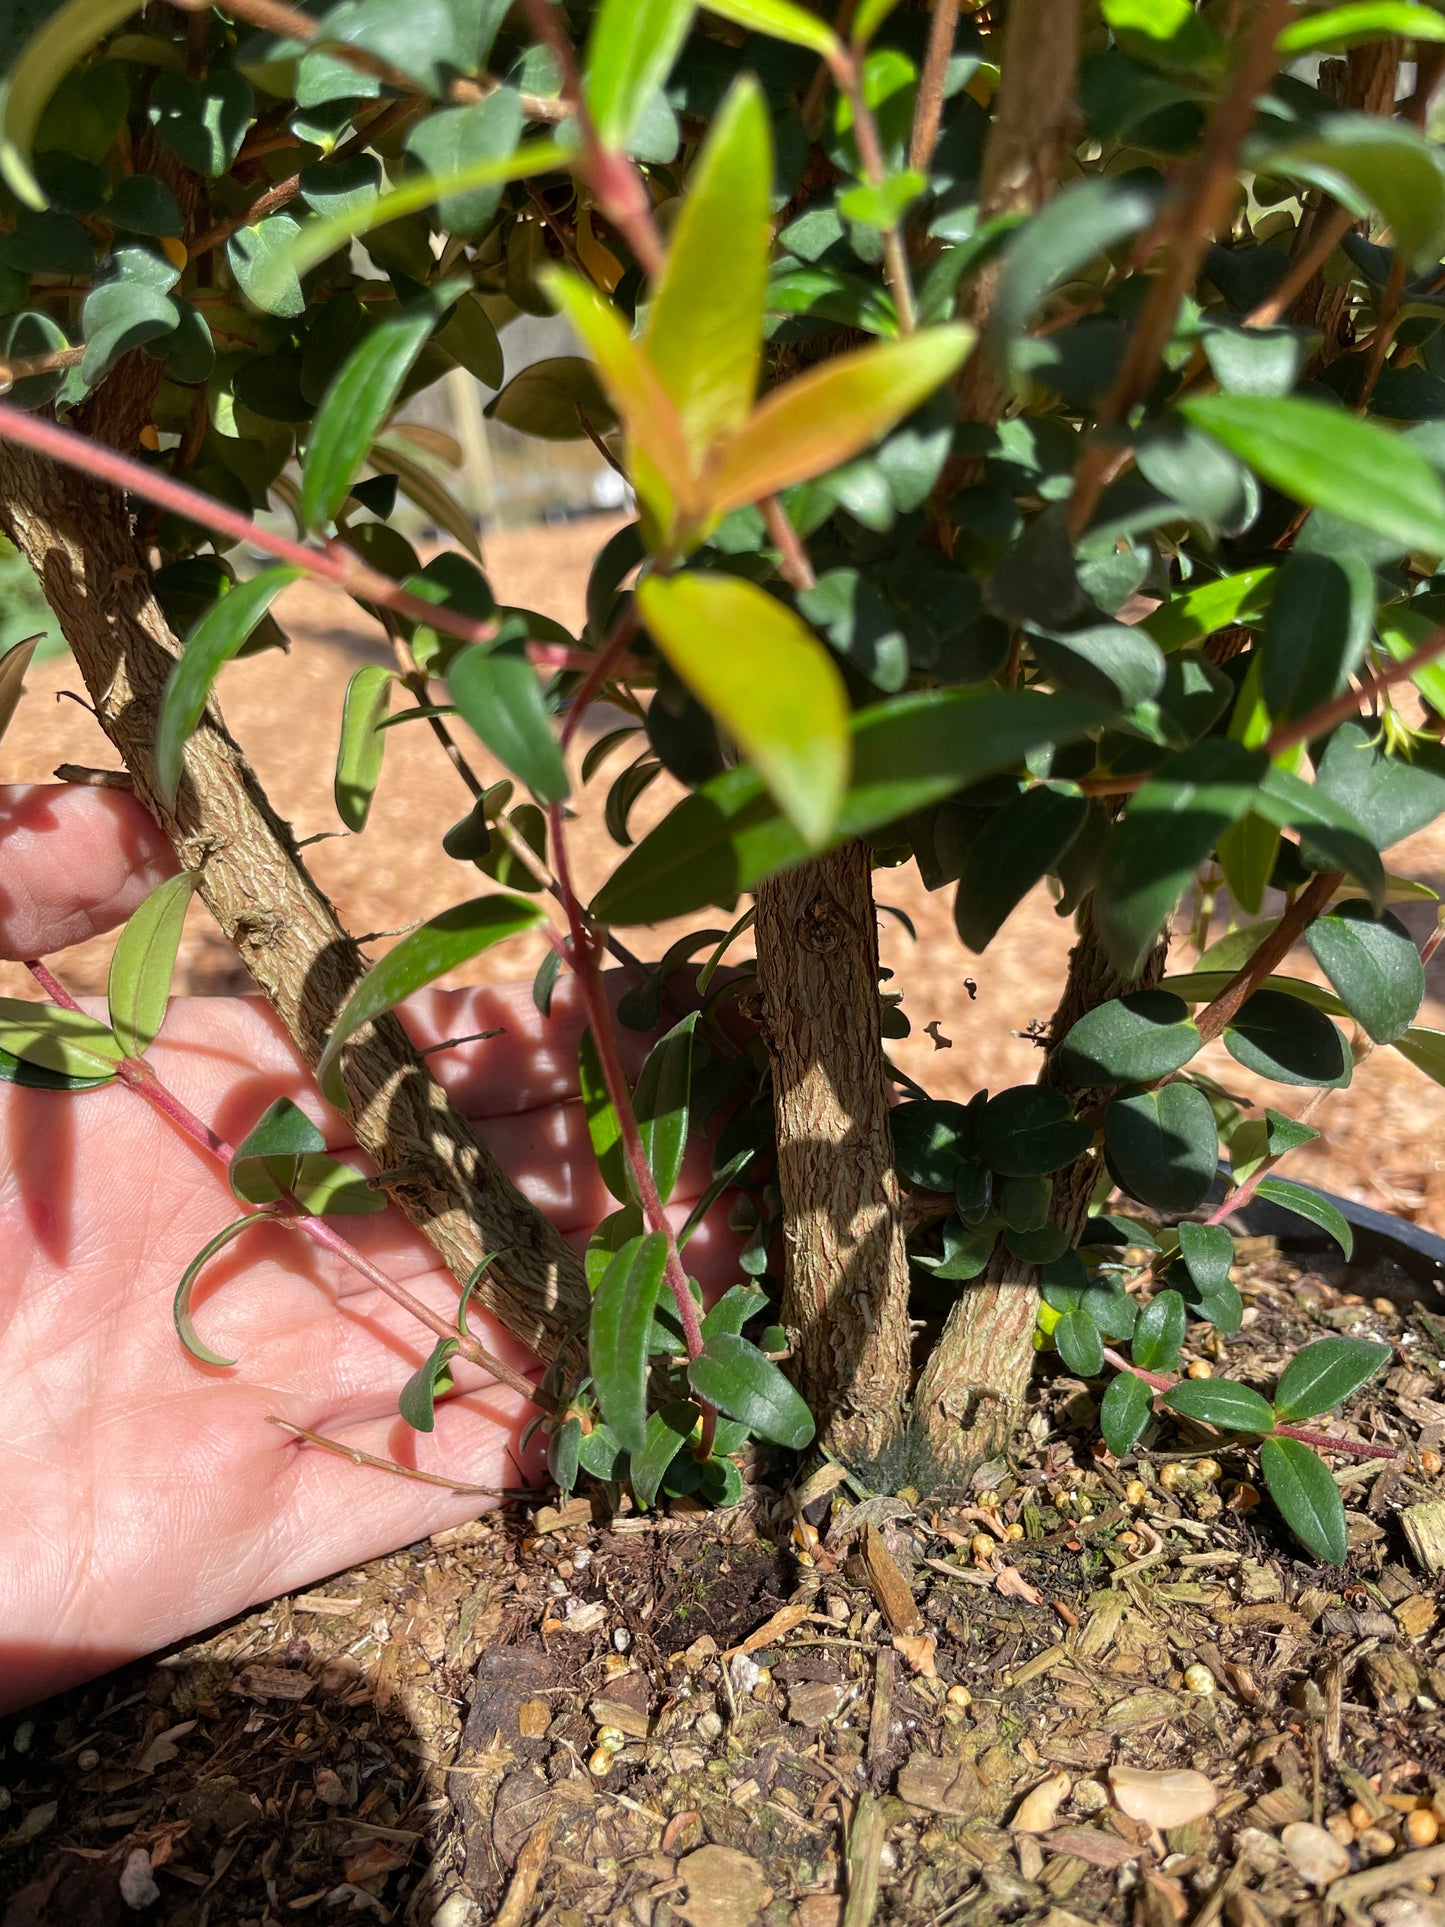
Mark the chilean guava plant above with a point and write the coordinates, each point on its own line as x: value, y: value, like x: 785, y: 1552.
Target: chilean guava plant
x: 1033, y: 412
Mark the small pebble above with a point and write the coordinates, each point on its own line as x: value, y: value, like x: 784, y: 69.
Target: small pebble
x: 1201, y: 1368
x: 1090, y: 1797
x: 959, y: 1696
x: 1199, y: 1679
x: 137, y: 1883
x: 709, y: 1727
x: 600, y: 1764
x: 1375, y: 1842
x: 1422, y: 1827
x: 582, y: 1558
x: 24, y: 1734
x: 621, y: 1639
x: 1316, y: 1856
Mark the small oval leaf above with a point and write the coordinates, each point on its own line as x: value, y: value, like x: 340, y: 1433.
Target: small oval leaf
x: 363, y: 743
x: 1221, y: 1402
x: 620, y: 1332
x: 1308, y: 1498
x: 731, y: 1373
x: 220, y: 634
x: 1324, y: 1375
x: 144, y: 962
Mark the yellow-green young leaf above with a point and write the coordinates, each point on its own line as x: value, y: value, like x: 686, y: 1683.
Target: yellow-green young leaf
x: 705, y: 329
x: 826, y: 416
x: 326, y: 233
x: 868, y: 19
x: 657, y: 444
x: 1339, y: 28
x: 629, y: 55
x: 47, y: 57
x: 430, y: 950
x: 143, y: 963
x: 767, y: 679
x: 363, y: 743
x: 13, y: 665
x: 220, y: 633
x: 58, y: 1040
x: 783, y: 21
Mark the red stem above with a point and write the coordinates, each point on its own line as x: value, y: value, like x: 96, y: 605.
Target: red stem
x: 136, y: 1075
x: 599, y: 667
x: 582, y: 956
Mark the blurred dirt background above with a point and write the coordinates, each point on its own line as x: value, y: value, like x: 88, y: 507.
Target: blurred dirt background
x: 1383, y: 1139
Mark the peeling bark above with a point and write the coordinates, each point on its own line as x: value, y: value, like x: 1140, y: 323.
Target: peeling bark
x: 77, y: 536
x: 845, y: 1287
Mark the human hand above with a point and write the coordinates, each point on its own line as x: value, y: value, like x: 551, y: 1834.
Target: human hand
x: 143, y: 1496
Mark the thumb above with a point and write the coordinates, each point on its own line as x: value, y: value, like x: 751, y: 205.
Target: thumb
x: 73, y: 862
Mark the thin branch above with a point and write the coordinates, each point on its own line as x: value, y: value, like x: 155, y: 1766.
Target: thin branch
x: 794, y: 563
x: 1330, y: 230
x: 928, y: 111
x: 606, y: 662
x: 875, y: 171
x: 1205, y: 209
x: 358, y: 1457
x: 1309, y: 904
x: 138, y: 1076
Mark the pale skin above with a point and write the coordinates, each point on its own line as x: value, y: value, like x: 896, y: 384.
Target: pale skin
x: 143, y: 1496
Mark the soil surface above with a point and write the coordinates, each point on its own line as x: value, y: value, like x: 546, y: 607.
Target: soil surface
x: 1102, y: 1691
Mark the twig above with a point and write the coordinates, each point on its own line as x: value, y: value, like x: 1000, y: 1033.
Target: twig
x: 358, y: 1457
x: 1276, y: 946
x: 928, y: 110
x: 1331, y: 229
x: 875, y: 172
x: 1205, y: 209
x: 794, y: 563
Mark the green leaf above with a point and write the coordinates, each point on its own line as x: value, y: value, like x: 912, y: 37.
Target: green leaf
x: 470, y: 338
x: 1159, y: 1334
x: 1079, y: 1345
x: 1248, y: 851
x: 1208, y: 1253
x: 286, y: 258
x: 1369, y: 162
x: 268, y: 1157
x: 144, y: 961
x: 931, y: 1137
x: 1324, y: 1375
x: 1373, y: 964
x: 1326, y: 458
x: 883, y: 205
x: 544, y: 401
x: 1167, y: 830
x: 1306, y: 1203
x: 617, y: 1346
x: 737, y: 1307
x: 66, y: 1041
x: 359, y: 399
x: 13, y: 664
x: 32, y: 1077
x: 1203, y: 611
x: 608, y: 1239
x: 1308, y: 1498
x: 181, y: 1311
x: 1425, y: 1049
x: 1162, y: 1146
x: 498, y: 693
x: 630, y: 52
x: 427, y: 1383
x: 1124, y: 1411
x: 120, y: 315
x: 1134, y: 1039
x: 1083, y: 221
x: 1388, y: 797
x: 668, y: 1431
x: 783, y: 20
x: 830, y: 414
x: 906, y: 754
x: 202, y: 121
x: 1221, y: 1402
x: 602, y: 1453
x: 563, y: 1452
x: 1283, y: 1037
x: 362, y: 744
x: 704, y: 330
x: 1029, y: 1131
x: 26, y: 335
x: 603, y: 1127
x: 731, y: 1373
x: 219, y: 635
x: 661, y: 1103
x: 1316, y: 633
x: 1025, y: 1203
x: 1017, y: 846
x: 483, y: 133
x: 767, y: 679
x: 262, y: 258
x: 1338, y: 29
x: 45, y: 60
x: 428, y: 952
